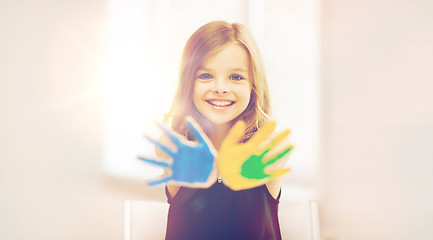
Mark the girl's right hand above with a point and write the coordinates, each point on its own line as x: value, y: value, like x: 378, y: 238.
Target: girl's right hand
x: 193, y: 164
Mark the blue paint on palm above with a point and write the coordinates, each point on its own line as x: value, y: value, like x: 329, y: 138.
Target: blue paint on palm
x: 191, y: 164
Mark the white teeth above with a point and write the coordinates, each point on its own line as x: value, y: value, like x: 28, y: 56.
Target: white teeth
x: 221, y: 103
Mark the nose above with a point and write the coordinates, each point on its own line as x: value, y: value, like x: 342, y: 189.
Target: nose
x: 221, y: 91
x: 221, y: 86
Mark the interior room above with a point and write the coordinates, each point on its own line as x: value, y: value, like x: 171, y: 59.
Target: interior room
x: 82, y: 81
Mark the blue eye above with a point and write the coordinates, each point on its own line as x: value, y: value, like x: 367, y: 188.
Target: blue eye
x: 236, y: 77
x: 205, y: 76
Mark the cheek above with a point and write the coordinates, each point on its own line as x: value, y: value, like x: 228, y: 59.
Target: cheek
x: 246, y: 93
x: 198, y: 93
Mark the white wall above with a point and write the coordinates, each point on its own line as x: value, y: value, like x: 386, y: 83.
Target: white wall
x: 52, y: 58
x: 52, y: 184
x: 378, y: 108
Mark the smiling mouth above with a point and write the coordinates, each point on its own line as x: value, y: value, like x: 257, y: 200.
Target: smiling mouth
x: 220, y: 103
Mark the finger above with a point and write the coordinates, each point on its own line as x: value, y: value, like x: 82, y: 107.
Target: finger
x: 277, y: 156
x: 161, y: 146
x: 262, y: 134
x: 278, y: 172
x: 170, y: 134
x: 195, y: 130
x: 159, y: 181
x: 154, y: 162
x: 276, y: 140
x: 235, y: 133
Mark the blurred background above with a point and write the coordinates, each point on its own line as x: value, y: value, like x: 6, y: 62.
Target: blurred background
x: 80, y: 81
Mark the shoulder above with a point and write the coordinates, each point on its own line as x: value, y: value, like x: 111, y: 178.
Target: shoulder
x: 274, y: 187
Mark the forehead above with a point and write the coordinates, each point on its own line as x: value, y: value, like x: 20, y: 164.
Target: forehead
x: 232, y: 56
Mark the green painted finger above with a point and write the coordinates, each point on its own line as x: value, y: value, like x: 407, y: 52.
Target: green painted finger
x: 278, y: 156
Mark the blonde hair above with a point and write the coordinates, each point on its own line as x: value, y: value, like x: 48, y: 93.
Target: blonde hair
x: 204, y: 43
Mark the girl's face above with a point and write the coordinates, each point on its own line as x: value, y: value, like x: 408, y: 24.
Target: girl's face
x: 222, y: 86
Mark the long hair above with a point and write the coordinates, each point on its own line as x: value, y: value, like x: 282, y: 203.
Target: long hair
x: 204, y: 43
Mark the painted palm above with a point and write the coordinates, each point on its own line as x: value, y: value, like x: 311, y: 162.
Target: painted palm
x: 243, y: 165
x: 192, y: 163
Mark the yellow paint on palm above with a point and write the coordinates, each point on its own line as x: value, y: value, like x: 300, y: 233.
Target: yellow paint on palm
x: 233, y: 156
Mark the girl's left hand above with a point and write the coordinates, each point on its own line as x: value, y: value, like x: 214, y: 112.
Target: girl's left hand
x: 242, y: 165
x: 192, y: 164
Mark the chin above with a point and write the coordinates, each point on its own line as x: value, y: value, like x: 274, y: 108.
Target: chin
x: 220, y: 120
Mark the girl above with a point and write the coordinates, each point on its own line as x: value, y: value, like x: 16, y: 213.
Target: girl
x: 221, y: 82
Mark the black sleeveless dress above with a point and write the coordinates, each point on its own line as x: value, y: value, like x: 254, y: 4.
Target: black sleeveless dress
x: 221, y: 213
